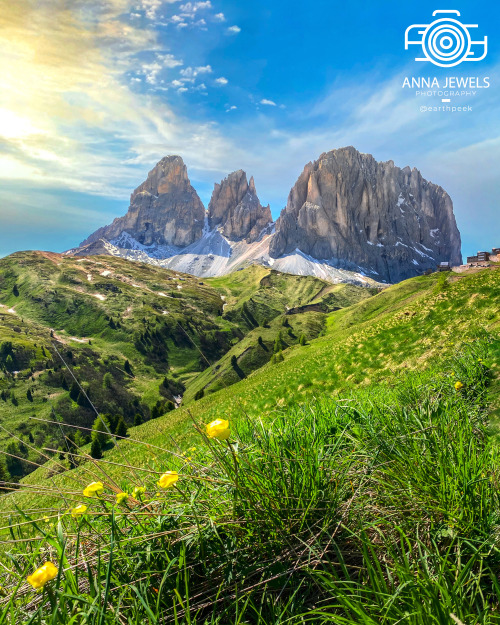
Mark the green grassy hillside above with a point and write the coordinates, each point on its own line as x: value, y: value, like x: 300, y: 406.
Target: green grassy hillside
x: 359, y: 484
x: 406, y: 327
x: 135, y: 337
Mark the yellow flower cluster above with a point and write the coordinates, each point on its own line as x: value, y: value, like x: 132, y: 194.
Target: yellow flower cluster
x: 43, y: 575
x: 458, y: 386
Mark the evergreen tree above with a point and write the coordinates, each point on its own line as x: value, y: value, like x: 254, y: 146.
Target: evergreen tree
x: 81, y: 400
x: 302, y: 339
x: 96, y: 449
x: 15, y: 290
x: 107, y: 381
x: 64, y: 384
x: 278, y: 343
x: 4, y: 476
x: 128, y: 368
x: 14, y: 464
x: 80, y: 439
x: 13, y: 399
x: 100, y: 430
x: 199, y: 394
x: 138, y: 418
x: 74, y: 391
x: 29, y: 395
x: 9, y: 362
x: 121, y: 428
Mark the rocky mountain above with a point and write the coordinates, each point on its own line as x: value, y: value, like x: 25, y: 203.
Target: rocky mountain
x: 236, y: 209
x: 360, y: 214
x: 164, y: 210
x: 348, y: 218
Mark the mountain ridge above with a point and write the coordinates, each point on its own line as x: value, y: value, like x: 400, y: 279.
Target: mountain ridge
x: 349, y: 218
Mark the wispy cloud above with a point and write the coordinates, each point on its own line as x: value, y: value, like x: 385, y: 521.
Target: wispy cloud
x: 234, y: 30
x: 266, y: 102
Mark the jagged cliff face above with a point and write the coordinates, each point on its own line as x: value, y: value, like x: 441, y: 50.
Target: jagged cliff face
x: 359, y: 214
x: 164, y: 210
x: 348, y: 218
x: 236, y: 209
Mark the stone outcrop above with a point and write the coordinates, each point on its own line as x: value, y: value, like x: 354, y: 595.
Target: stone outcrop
x: 235, y: 209
x: 362, y: 215
x: 164, y: 210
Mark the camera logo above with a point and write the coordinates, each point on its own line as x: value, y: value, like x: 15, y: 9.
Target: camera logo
x: 446, y: 42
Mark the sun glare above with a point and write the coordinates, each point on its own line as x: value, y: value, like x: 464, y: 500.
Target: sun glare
x: 13, y: 126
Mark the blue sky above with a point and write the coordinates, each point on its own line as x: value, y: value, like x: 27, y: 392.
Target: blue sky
x: 94, y: 93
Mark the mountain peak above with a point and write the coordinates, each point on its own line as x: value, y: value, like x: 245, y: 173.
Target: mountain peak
x: 164, y: 210
x: 236, y: 209
x: 374, y: 217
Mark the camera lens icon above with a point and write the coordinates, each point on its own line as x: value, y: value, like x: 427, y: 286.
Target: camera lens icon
x: 446, y: 42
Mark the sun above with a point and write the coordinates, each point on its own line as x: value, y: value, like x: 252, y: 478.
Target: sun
x: 13, y: 126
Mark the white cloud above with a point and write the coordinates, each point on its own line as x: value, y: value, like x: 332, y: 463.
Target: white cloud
x: 150, y: 7
x: 182, y: 89
x: 189, y: 74
x: 231, y: 108
x: 196, y: 6
x: 191, y: 8
x: 162, y: 61
x: 266, y: 102
x: 222, y: 81
x: 234, y: 30
x: 220, y: 17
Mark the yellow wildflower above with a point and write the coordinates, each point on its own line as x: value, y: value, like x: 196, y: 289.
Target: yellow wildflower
x: 192, y: 449
x: 219, y: 429
x: 121, y: 498
x: 458, y: 386
x: 96, y: 488
x: 138, y: 491
x: 168, y: 479
x: 79, y: 511
x: 42, y: 575
x: 46, y: 519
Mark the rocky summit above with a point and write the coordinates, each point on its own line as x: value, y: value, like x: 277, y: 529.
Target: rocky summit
x: 236, y: 209
x: 164, y: 210
x: 348, y: 218
x: 360, y: 214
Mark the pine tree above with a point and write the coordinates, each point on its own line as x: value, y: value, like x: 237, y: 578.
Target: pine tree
x: 13, y: 399
x: 15, y: 290
x: 100, y: 430
x: 4, y: 476
x: 278, y: 343
x: 74, y: 391
x: 121, y: 428
x: 302, y: 339
x: 138, y: 418
x: 29, y: 395
x: 107, y: 381
x: 128, y: 368
x: 9, y: 363
x: 96, y: 449
x: 14, y: 464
